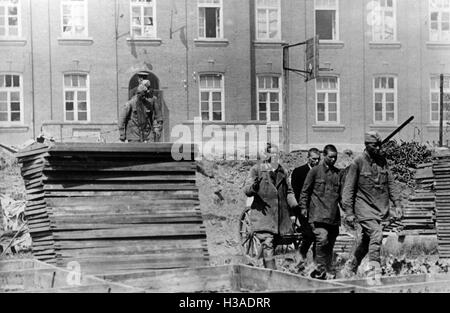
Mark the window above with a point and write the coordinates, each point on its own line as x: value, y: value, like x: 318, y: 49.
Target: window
x: 211, y: 97
x: 385, y: 99
x: 76, y: 97
x: 384, y: 21
x: 74, y: 18
x: 327, y: 19
x: 268, y: 19
x: 11, y: 104
x: 210, y: 19
x: 327, y: 100
x: 439, y: 20
x: 10, y: 18
x: 435, y: 94
x: 269, y: 96
x: 143, y: 18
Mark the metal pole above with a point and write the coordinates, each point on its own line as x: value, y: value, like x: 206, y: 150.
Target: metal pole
x: 441, y: 110
x: 286, y: 99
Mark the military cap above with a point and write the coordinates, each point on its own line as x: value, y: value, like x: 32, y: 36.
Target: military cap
x: 372, y: 137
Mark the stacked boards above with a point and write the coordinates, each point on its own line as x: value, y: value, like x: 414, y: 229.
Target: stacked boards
x: 420, y: 211
x: 441, y: 170
x: 36, y: 212
x: 124, y: 207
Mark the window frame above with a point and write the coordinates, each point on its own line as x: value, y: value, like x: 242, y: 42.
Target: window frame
x: 267, y: 8
x: 268, y: 91
x: 384, y: 91
x: 75, y: 89
x: 9, y: 90
x: 439, y: 22
x: 221, y: 30
x: 155, y: 21
x: 338, y: 102
x: 446, y: 91
x: 336, y: 8
x: 210, y: 101
x: 19, y: 22
x: 381, y: 10
x: 86, y: 21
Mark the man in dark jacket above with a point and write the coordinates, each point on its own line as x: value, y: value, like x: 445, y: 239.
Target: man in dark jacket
x: 320, y: 197
x: 297, y: 179
x: 135, y: 119
x: 298, y: 175
x: 270, y: 214
x: 368, y: 187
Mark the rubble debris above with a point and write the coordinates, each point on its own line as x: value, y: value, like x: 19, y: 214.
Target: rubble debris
x: 15, y: 237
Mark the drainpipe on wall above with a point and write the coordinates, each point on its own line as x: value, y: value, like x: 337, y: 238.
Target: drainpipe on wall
x: 116, y: 28
x: 253, y: 103
x: 32, y: 71
x: 50, y: 61
x: 187, y: 57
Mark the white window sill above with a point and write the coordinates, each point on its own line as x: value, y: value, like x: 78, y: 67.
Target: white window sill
x: 211, y: 42
x: 384, y: 127
x: 18, y: 41
x: 331, y: 44
x: 269, y: 43
x: 435, y: 125
x: 79, y: 123
x: 145, y: 41
x: 9, y: 128
x: 76, y: 41
x: 385, y: 44
x: 438, y: 44
x: 329, y: 127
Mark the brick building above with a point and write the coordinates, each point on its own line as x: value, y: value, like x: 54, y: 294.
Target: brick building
x: 66, y: 66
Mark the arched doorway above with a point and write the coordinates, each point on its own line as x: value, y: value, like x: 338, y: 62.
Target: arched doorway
x: 134, y: 82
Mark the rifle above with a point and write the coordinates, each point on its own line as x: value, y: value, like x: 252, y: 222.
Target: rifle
x: 397, y: 130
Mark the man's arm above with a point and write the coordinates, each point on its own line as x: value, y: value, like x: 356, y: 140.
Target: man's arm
x: 348, y: 193
x: 123, y: 120
x: 249, y: 185
x: 394, y: 189
x: 308, y: 186
x: 291, y: 198
x: 295, y: 182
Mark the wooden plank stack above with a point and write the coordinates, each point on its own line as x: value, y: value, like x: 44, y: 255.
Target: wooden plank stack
x: 123, y: 207
x: 420, y: 213
x: 441, y: 170
x: 36, y: 212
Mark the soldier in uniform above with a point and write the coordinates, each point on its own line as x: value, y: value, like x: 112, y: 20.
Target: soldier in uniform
x: 141, y: 120
x: 368, y: 187
x: 270, y: 214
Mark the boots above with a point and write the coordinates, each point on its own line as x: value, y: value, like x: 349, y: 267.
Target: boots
x: 270, y: 264
x: 318, y: 274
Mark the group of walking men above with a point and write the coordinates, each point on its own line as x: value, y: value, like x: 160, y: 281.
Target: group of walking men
x: 314, y: 195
